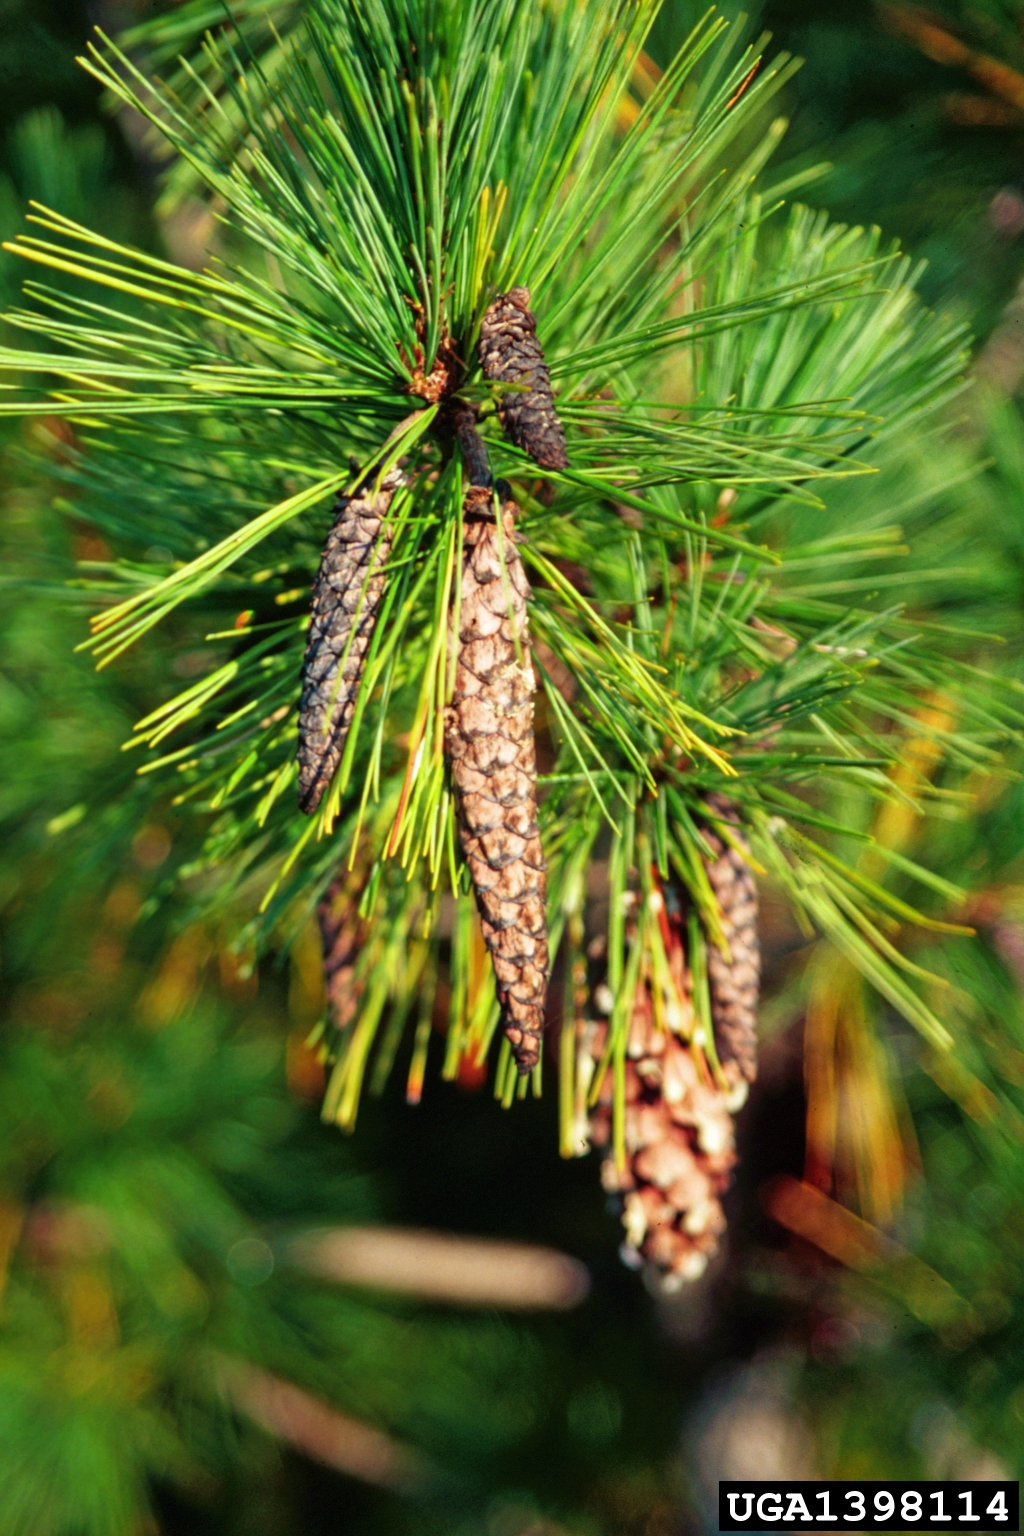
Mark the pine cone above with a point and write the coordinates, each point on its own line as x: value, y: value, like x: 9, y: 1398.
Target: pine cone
x: 511, y: 354
x: 735, y: 982
x: 346, y: 594
x: 680, y: 1145
x: 680, y: 1151
x: 489, y: 740
x: 341, y: 933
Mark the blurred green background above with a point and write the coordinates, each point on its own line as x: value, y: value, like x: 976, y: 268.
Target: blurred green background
x: 159, y: 1128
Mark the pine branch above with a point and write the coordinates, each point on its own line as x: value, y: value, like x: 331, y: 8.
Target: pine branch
x: 723, y: 600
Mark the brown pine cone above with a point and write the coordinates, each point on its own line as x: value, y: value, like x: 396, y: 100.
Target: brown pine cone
x: 735, y: 982
x: 490, y: 745
x: 341, y: 933
x: 511, y: 354
x: 346, y: 594
x: 680, y: 1151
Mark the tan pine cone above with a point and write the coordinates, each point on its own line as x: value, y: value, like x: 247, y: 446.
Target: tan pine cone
x: 511, y: 354
x: 734, y: 981
x: 490, y: 745
x: 679, y: 1137
x: 680, y: 1152
x: 346, y: 595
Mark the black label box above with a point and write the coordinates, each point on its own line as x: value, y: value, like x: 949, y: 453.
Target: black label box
x: 869, y: 1506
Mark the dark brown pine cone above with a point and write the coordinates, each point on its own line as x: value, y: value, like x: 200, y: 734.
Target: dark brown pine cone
x: 735, y: 982
x: 511, y: 354
x: 346, y: 594
x: 490, y: 745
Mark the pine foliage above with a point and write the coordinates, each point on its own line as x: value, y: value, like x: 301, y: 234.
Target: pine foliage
x: 719, y: 369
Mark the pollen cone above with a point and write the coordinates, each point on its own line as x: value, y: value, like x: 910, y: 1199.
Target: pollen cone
x: 511, y: 354
x: 346, y: 595
x: 490, y: 745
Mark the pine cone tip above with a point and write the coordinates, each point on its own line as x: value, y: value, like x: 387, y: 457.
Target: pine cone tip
x: 523, y: 1036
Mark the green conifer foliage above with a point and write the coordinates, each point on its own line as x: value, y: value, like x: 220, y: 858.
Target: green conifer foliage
x: 716, y: 365
x: 154, y: 1167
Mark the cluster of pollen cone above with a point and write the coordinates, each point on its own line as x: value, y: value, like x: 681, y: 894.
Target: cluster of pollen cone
x: 680, y: 1097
